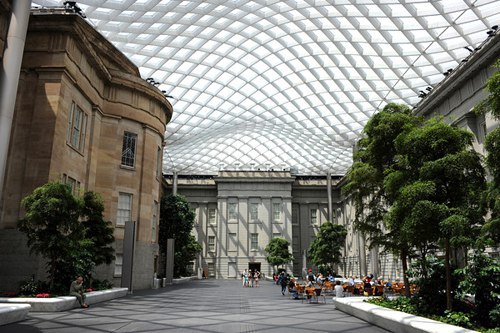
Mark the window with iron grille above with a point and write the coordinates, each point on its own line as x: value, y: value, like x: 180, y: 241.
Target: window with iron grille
x: 128, y: 149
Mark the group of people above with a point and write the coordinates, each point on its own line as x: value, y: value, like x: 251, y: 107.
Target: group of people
x: 287, y: 281
x: 250, y: 278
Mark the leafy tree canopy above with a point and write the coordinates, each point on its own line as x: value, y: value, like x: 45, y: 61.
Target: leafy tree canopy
x: 277, y: 252
x: 69, y: 232
x: 177, y: 221
x: 326, y: 249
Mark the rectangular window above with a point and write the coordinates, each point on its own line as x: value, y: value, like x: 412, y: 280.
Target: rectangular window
x: 254, y: 242
x: 159, y: 168
x: 154, y: 221
x: 73, y: 183
x: 211, y: 269
x: 118, y: 264
x: 211, y: 243
x: 232, y: 211
x: 128, y: 149
x: 212, y: 217
x: 77, y: 122
x: 276, y: 235
x: 232, y: 242
x: 124, y: 212
x: 276, y: 212
x: 254, y: 211
x: 314, y: 216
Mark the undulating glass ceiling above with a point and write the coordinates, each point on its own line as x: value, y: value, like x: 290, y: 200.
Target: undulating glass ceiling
x: 285, y: 84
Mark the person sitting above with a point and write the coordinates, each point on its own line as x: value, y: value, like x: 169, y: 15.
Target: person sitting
x: 292, y: 289
x: 339, y: 290
x: 76, y: 289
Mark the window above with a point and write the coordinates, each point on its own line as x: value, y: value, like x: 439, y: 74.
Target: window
x: 232, y: 242
x: 77, y: 122
x: 124, y: 212
x: 211, y: 243
x: 277, y: 235
x: 128, y: 149
x: 276, y: 212
x: 211, y: 269
x: 154, y: 221
x: 118, y: 264
x: 254, y: 242
x: 254, y: 211
x: 314, y: 216
x: 232, y: 211
x: 73, y: 183
x: 159, y: 170
x: 212, y: 219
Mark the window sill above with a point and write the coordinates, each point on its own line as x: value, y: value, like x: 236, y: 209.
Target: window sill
x: 126, y: 167
x: 75, y: 149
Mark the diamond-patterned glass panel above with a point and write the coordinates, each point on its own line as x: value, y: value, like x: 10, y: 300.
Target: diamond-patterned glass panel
x: 286, y: 84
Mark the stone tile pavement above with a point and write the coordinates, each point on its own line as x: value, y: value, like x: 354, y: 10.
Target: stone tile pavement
x: 198, y: 306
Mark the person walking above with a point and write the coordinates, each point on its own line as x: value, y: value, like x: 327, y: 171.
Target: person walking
x: 283, y: 282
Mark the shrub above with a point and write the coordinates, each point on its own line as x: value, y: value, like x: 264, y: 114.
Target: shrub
x: 31, y: 287
x: 456, y: 318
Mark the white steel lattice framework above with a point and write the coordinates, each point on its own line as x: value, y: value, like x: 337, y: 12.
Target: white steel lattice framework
x: 285, y: 84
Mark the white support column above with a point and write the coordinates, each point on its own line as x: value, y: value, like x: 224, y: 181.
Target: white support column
x: 11, y: 67
x: 329, y: 192
x: 174, y: 183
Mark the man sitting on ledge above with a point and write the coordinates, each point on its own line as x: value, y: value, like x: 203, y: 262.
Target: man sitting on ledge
x: 76, y: 289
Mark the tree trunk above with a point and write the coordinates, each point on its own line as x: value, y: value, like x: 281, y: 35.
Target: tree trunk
x: 404, y: 263
x: 449, y: 300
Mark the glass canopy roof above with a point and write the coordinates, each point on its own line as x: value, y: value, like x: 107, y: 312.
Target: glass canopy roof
x: 267, y: 84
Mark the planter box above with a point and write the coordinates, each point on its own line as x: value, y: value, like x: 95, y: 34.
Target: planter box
x: 392, y: 320
x: 10, y: 313
x: 64, y: 303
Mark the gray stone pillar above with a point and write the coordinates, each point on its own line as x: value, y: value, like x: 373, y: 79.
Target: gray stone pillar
x: 169, y: 269
x: 329, y: 192
x: 11, y: 67
x: 174, y: 183
x: 362, y: 254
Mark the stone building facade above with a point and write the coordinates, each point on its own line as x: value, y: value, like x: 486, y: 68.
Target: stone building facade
x: 84, y: 116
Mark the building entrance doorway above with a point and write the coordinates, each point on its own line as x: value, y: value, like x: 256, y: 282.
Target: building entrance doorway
x: 254, y: 266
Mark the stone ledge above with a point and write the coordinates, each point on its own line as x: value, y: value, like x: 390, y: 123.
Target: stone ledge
x: 63, y: 303
x: 394, y: 321
x: 10, y: 313
x: 184, y: 279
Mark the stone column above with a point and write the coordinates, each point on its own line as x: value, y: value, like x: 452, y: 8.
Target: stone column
x: 174, y: 183
x: 11, y: 67
x: 329, y: 193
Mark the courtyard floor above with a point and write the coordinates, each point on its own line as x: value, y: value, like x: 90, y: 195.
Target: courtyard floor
x: 198, y: 306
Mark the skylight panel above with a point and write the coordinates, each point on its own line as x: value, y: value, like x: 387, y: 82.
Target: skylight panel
x: 313, y: 60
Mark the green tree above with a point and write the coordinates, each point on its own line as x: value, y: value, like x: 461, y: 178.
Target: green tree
x: 481, y: 277
x: 69, y: 232
x: 365, y: 179
x: 277, y: 252
x: 325, y: 250
x: 440, y: 198
x: 51, y: 225
x: 177, y: 221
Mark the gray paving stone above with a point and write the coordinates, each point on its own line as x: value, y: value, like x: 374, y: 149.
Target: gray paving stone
x: 209, y: 306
